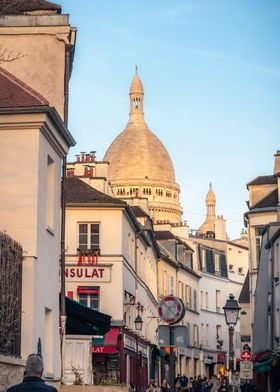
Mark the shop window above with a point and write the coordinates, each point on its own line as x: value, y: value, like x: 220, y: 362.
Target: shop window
x: 89, y: 296
x: 88, y: 236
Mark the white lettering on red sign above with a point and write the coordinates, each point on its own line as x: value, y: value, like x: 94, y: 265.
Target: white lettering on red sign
x: 98, y: 349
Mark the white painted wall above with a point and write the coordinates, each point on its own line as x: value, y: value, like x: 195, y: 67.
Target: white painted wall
x: 23, y: 215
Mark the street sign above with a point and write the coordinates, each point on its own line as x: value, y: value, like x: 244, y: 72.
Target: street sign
x: 246, y: 370
x: 246, y: 355
x: 171, y: 309
x: 180, y: 336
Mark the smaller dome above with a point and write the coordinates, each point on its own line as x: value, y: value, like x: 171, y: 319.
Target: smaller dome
x: 210, y: 197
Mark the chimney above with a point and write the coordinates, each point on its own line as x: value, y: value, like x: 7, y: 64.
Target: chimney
x: 220, y: 228
x: 82, y: 156
x: 93, y: 156
x: 277, y: 164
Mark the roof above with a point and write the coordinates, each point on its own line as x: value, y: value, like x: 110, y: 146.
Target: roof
x: 162, y: 235
x: 263, y: 180
x: 78, y: 192
x: 138, y: 212
x: 15, y: 93
x: 18, y: 7
x: 244, y: 296
x: 270, y: 200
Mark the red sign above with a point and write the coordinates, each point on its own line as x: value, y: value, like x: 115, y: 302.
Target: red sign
x: 104, y: 349
x: 246, y: 356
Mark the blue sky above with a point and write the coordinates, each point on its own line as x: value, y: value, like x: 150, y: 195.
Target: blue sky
x: 211, y: 75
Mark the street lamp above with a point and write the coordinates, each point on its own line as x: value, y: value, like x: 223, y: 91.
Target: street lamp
x: 231, y: 310
x: 138, y: 322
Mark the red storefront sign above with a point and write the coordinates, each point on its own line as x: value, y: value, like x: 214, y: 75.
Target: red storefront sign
x: 110, y: 343
x: 221, y: 357
x: 104, y: 349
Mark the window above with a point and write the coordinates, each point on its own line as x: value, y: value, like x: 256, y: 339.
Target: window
x: 89, y: 296
x: 219, y: 337
x: 258, y: 235
x: 171, y: 285
x: 202, y: 334
x: 194, y: 300
x: 207, y: 335
x: 276, y: 264
x: 50, y: 193
x: 88, y: 236
x: 195, y: 335
x: 203, y: 259
x: 201, y: 299
x: 217, y: 263
x: 218, y: 300
x: 206, y: 300
x: 188, y: 296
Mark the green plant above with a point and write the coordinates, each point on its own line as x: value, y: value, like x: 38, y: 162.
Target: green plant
x: 77, y: 373
x: 110, y: 382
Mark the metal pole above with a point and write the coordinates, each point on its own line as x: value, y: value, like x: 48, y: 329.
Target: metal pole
x: 136, y: 366
x: 172, y: 359
x: 231, y: 352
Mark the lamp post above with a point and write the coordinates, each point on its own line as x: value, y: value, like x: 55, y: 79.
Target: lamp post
x: 231, y: 310
x: 138, y: 322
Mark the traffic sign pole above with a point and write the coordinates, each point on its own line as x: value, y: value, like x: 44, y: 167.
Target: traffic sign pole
x: 172, y: 359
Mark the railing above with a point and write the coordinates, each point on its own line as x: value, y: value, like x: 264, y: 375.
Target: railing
x: 10, y: 295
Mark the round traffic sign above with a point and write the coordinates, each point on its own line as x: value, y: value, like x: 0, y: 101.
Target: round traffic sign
x: 246, y: 355
x: 171, y: 309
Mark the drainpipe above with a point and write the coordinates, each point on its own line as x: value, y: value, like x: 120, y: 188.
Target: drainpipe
x: 272, y: 299
x: 68, y: 49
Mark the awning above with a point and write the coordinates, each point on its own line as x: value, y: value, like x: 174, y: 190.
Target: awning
x: 110, y: 342
x: 262, y: 367
x: 82, y: 320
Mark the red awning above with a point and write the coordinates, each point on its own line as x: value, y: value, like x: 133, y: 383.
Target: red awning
x: 110, y: 343
x: 111, y: 337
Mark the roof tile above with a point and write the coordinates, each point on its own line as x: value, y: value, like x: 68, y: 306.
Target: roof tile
x: 77, y: 191
x: 15, y: 93
x: 17, y: 7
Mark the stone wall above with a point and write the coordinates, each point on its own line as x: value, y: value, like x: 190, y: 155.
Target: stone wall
x: 93, y: 388
x: 11, y: 371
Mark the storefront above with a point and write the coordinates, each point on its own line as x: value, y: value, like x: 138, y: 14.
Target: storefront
x: 210, y: 360
x: 120, y: 357
x: 134, y: 363
x: 106, y: 357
